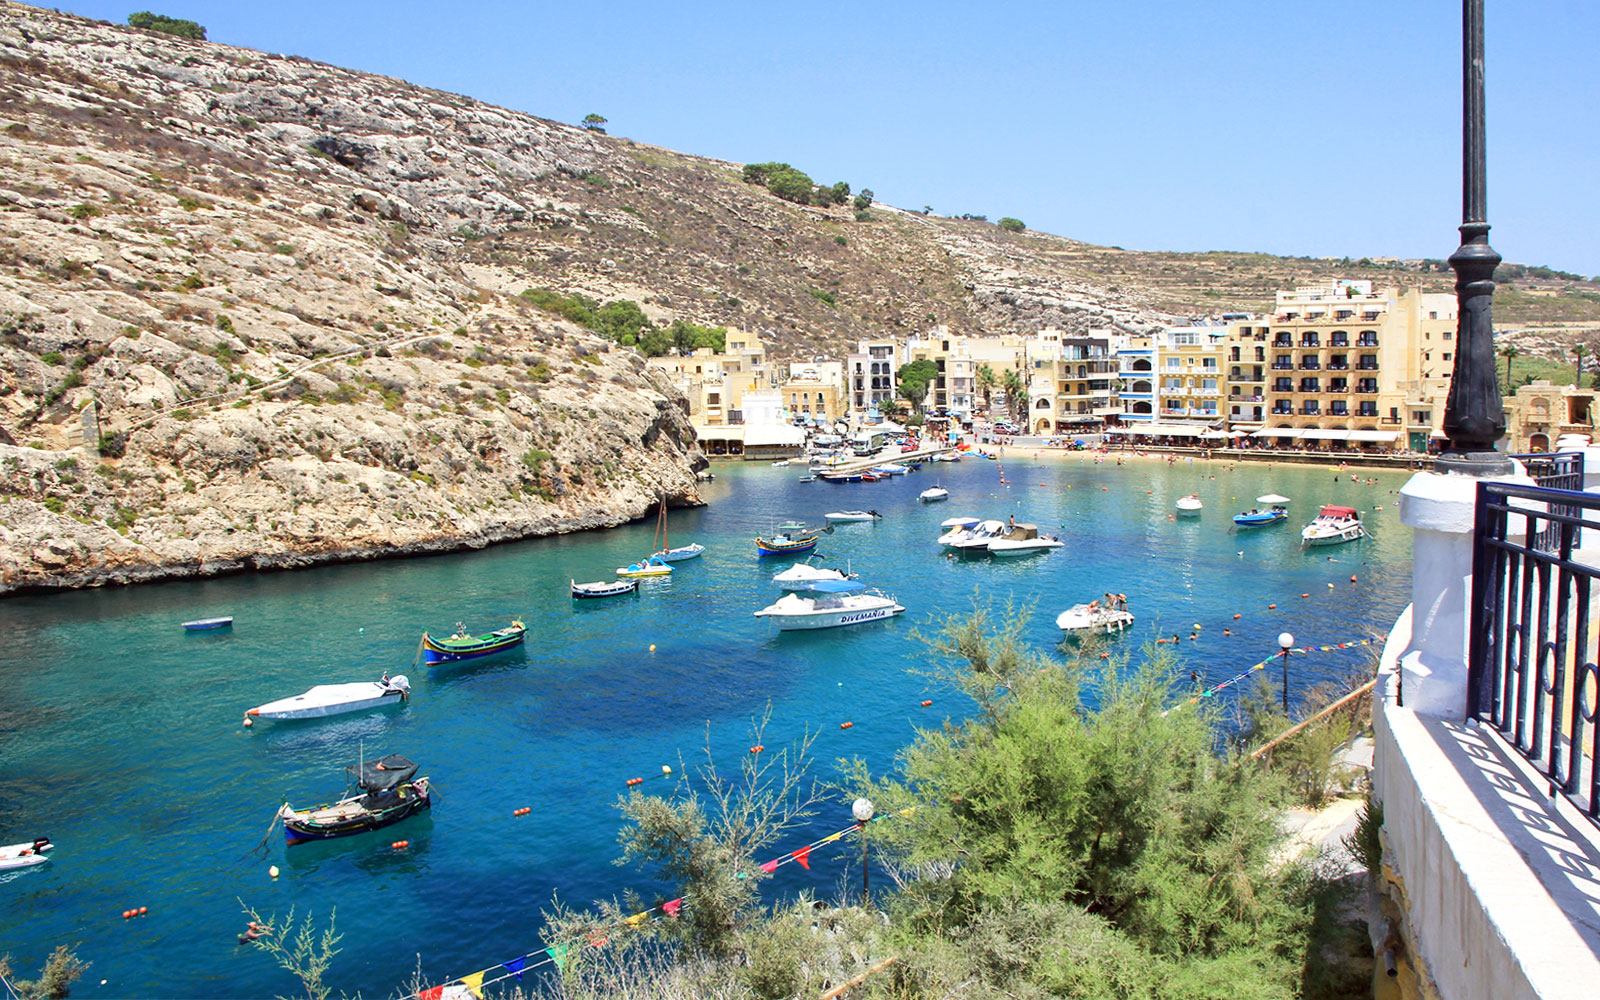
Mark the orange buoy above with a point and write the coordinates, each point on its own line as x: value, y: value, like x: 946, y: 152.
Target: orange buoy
x: 1352, y: 578
x: 846, y: 725
x: 143, y: 910
x: 1272, y: 607
x: 926, y: 704
x: 757, y: 748
x: 1237, y: 617
x: 635, y: 781
x: 126, y: 914
x: 1305, y: 595
x: 1105, y: 656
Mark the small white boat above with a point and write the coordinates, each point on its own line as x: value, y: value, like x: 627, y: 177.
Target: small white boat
x: 957, y: 528
x: 831, y: 604
x: 978, y: 538
x: 1334, y: 524
x: 1094, y: 617
x: 603, y: 588
x: 781, y: 463
x: 892, y: 469
x: 680, y: 553
x: 934, y: 494
x: 1190, y: 504
x: 1022, y: 540
x: 25, y: 855
x: 808, y: 478
x: 853, y: 515
x: 802, y: 576
x: 207, y: 624
x: 335, y: 699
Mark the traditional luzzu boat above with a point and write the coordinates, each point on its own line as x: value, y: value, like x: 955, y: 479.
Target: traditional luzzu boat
x: 385, y: 793
x: 652, y: 566
x: 1334, y: 524
x: 25, y: 855
x: 462, y: 646
x: 335, y: 699
x: 604, y: 588
x: 785, y: 543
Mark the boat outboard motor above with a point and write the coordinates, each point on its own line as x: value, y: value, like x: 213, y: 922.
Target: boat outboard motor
x: 399, y: 683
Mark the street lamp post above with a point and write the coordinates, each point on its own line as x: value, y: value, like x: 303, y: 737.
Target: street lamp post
x: 1285, y: 640
x: 1474, y: 417
x: 861, y: 809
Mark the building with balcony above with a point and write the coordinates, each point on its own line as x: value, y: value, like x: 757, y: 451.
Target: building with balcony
x: 715, y: 383
x: 1070, y: 385
x: 1341, y: 366
x: 869, y: 373
x: 1540, y: 414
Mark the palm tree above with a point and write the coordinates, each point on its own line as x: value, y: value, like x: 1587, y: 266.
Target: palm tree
x: 985, y: 381
x: 1509, y: 352
x: 1016, y: 395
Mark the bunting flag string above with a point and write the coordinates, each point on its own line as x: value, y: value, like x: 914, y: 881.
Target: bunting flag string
x: 472, y: 985
x: 1241, y: 675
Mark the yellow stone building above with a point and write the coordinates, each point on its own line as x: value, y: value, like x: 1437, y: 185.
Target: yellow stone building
x: 1541, y: 412
x: 1342, y: 366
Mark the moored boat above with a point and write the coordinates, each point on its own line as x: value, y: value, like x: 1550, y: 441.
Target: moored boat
x: 852, y: 515
x: 1094, y: 617
x: 335, y: 699
x: 385, y: 793
x: 802, y: 575
x: 1259, y: 518
x: 934, y: 494
x: 604, y: 588
x: 207, y: 624
x: 977, y: 538
x: 1332, y: 525
x: 1022, y: 540
x: 1190, y: 504
x: 667, y: 553
x: 831, y: 604
x: 25, y: 855
x: 808, y: 478
x: 463, y: 646
x: 785, y: 543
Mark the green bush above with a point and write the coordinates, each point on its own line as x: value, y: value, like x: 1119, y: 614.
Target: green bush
x: 782, y: 180
x: 113, y: 445
x: 1011, y: 225
x: 168, y: 25
x: 825, y: 297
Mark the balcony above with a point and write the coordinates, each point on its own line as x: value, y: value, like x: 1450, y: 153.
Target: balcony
x: 1366, y: 341
x: 1367, y: 366
x: 1367, y: 413
x: 1310, y: 342
x: 1310, y: 387
x: 1282, y: 366
x: 1310, y: 410
x: 1243, y: 399
x: 1339, y: 410
x: 1283, y: 387
x: 1339, y: 340
x: 1338, y: 385
x: 1282, y: 411
x: 1310, y: 365
x: 1338, y: 366
x: 1283, y: 341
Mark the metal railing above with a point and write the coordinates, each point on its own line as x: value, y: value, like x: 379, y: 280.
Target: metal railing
x: 1531, y: 663
x: 1558, y: 471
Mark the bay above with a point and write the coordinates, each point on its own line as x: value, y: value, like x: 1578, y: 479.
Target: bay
x: 120, y: 734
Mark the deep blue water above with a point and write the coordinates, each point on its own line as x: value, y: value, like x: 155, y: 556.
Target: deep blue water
x: 120, y: 734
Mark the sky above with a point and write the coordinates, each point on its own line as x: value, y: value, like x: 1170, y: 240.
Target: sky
x: 1280, y: 126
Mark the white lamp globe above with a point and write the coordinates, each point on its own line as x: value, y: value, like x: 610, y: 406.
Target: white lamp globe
x: 861, y: 809
x: 1285, y: 640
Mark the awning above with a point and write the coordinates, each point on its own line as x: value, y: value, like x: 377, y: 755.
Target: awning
x: 1374, y: 435
x: 1318, y: 434
x: 1278, y: 432
x: 1216, y: 435
x: 764, y: 435
x: 1169, y: 430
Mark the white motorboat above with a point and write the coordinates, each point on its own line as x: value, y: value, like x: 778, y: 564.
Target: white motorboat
x: 843, y: 602
x: 781, y: 463
x: 1190, y: 504
x: 802, y: 576
x: 934, y: 494
x: 25, y: 855
x: 1094, y: 617
x: 978, y: 538
x: 891, y: 469
x: 1022, y: 540
x: 335, y: 699
x: 1334, y: 524
x: 853, y: 515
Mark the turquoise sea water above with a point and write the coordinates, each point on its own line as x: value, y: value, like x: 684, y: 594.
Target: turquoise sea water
x: 120, y: 734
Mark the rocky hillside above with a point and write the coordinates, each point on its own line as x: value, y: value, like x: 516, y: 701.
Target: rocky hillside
x: 259, y: 311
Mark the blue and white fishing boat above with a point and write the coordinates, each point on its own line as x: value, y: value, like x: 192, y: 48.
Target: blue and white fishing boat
x: 464, y: 646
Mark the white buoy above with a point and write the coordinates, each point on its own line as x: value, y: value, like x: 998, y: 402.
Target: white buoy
x: 273, y: 871
x: 665, y: 769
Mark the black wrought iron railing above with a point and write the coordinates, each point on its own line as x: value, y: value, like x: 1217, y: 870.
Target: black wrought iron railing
x: 1535, y: 631
x: 1562, y: 470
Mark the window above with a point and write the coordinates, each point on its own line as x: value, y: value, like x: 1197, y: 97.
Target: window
x: 1447, y: 356
x: 1433, y: 314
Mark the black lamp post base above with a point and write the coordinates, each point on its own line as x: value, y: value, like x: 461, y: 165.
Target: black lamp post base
x: 1478, y: 464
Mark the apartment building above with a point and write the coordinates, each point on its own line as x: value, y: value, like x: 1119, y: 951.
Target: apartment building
x: 715, y: 383
x: 1071, y: 384
x: 814, y: 392
x: 1341, y: 363
x: 870, y: 381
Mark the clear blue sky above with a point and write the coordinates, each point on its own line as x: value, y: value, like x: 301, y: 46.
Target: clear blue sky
x: 1275, y: 125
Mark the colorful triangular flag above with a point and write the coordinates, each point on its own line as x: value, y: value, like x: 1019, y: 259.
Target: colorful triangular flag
x: 637, y: 919
x: 801, y: 855
x: 671, y: 907
x: 770, y: 867
x: 830, y: 838
x: 474, y: 984
x: 431, y: 994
